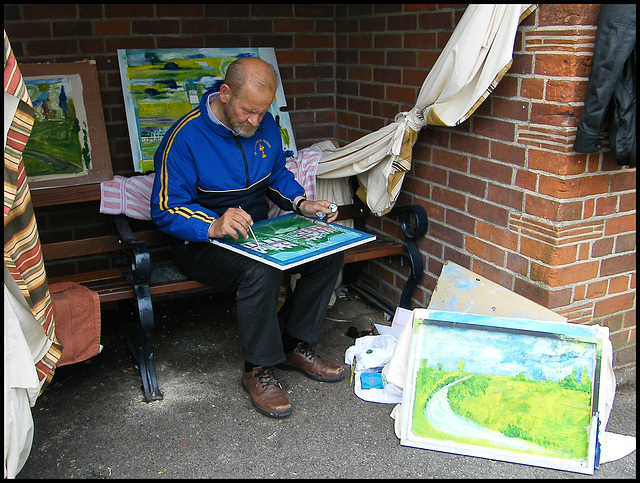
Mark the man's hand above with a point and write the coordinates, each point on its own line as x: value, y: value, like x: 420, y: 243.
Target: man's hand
x: 234, y: 222
x: 310, y: 208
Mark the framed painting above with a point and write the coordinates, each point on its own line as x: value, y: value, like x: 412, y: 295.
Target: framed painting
x: 508, y: 389
x: 68, y: 143
x: 162, y: 85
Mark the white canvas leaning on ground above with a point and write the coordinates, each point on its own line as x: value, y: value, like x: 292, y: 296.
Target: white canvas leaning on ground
x: 510, y: 389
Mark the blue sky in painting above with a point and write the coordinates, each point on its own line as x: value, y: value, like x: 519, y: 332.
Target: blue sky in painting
x: 505, y: 354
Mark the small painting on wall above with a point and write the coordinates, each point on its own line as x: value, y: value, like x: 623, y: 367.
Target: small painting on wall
x: 68, y: 142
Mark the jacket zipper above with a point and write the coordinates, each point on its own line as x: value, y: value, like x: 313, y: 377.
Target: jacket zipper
x: 244, y: 159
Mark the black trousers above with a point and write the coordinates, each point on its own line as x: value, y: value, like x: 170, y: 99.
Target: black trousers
x: 257, y: 286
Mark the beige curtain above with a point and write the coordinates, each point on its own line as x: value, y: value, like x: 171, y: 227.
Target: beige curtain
x: 472, y: 63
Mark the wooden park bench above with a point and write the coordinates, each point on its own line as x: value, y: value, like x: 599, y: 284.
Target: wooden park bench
x: 141, y: 269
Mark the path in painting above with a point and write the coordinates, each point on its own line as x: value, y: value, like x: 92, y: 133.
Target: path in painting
x: 441, y: 417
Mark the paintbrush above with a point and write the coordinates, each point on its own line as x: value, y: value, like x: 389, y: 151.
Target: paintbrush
x: 254, y: 236
x: 256, y: 240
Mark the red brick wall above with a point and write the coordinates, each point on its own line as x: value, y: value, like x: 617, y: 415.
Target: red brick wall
x: 505, y: 194
x: 303, y: 36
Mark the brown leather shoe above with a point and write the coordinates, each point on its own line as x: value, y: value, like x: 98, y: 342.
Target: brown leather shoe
x: 305, y: 359
x: 266, y: 392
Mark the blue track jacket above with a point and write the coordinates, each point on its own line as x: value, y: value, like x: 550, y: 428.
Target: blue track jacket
x: 202, y: 169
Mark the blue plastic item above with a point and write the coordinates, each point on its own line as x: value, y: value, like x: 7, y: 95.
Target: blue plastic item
x: 371, y: 380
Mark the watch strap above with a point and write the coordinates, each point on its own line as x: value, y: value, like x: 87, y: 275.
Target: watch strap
x: 297, y: 207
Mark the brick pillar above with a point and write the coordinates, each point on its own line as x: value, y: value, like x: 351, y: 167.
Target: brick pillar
x: 506, y: 195
x: 573, y: 244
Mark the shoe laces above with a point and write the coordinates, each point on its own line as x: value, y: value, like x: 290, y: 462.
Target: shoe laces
x: 266, y: 377
x: 306, y: 350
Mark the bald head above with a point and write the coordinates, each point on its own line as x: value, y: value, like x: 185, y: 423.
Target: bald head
x: 252, y: 72
x: 245, y: 95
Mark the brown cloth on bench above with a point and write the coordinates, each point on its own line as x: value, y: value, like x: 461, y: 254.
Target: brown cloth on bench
x: 77, y: 314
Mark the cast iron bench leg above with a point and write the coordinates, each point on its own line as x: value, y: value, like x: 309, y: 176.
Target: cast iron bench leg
x: 140, y: 277
x: 150, y: 387
x: 414, y: 223
x: 417, y: 269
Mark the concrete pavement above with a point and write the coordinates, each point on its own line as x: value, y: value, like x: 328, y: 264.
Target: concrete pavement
x: 91, y: 422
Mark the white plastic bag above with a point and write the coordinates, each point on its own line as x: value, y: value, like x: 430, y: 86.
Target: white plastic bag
x: 373, y: 351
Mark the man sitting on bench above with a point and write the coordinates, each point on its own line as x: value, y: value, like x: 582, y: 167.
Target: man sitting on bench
x: 214, y: 168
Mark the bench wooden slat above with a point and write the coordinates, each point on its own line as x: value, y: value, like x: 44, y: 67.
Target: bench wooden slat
x: 121, y: 291
x: 63, y: 195
x: 84, y: 247
x: 349, y: 212
x: 152, y: 237
x: 111, y: 284
x: 378, y: 248
x: 95, y: 276
x: 110, y: 280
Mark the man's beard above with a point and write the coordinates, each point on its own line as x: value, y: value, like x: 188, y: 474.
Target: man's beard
x: 244, y: 129
x: 248, y: 131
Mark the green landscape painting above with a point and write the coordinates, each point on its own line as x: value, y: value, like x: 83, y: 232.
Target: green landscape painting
x: 527, y: 396
x: 59, y: 142
x: 290, y: 240
x: 162, y: 85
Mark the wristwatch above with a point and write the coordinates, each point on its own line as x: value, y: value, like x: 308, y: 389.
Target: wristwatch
x: 297, y: 208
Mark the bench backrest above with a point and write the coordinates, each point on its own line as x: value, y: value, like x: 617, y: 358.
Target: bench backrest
x: 158, y: 242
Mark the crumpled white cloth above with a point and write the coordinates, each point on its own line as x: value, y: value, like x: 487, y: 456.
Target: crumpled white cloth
x: 25, y: 343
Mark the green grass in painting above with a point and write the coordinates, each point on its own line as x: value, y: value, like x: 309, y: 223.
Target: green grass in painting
x: 553, y: 415
x: 54, y: 148
x: 172, y: 109
x: 286, y: 139
x: 182, y: 68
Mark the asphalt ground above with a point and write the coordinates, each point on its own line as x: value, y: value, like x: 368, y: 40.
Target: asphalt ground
x: 91, y: 422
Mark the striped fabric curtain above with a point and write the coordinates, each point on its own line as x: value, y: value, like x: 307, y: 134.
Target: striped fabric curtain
x: 31, y: 349
x: 22, y: 250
